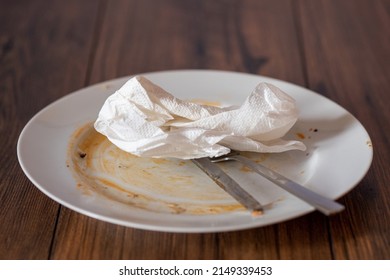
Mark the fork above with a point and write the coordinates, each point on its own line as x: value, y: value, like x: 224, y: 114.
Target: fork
x: 319, y: 202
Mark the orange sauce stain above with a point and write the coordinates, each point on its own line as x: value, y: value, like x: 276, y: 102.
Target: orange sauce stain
x: 301, y: 135
x: 111, y: 184
x: 256, y: 157
x: 206, y: 102
x: 217, y: 209
x: 245, y: 169
x: 177, y: 209
x: 257, y: 213
x: 159, y: 160
x: 152, y: 184
x: 84, y: 189
x: 180, y: 178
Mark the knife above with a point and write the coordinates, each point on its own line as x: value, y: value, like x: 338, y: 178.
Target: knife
x: 229, y: 185
x: 321, y: 203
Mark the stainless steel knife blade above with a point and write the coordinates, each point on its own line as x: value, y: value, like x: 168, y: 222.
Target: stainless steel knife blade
x: 229, y: 185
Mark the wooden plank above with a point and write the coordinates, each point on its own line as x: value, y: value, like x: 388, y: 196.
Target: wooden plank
x: 346, y: 47
x: 141, y: 36
x: 44, y: 48
x: 144, y: 36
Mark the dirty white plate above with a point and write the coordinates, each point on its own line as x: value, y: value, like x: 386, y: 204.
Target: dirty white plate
x: 339, y: 153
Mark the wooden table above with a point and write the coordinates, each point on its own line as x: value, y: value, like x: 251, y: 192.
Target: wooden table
x: 338, y: 48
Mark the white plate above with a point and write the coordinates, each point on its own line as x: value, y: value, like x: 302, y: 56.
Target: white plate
x: 338, y: 156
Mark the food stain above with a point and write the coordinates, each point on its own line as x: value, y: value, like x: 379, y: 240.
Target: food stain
x: 82, y: 155
x: 245, y: 168
x: 256, y: 213
x: 159, y: 160
x: 301, y: 135
x: 206, y: 102
x: 153, y: 184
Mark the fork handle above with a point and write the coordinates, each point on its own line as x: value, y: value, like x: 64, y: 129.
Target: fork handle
x: 321, y: 203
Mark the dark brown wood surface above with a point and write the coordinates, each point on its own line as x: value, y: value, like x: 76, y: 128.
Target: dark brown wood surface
x: 339, y: 48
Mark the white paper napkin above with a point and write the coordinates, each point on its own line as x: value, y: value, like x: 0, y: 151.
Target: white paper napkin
x: 143, y: 119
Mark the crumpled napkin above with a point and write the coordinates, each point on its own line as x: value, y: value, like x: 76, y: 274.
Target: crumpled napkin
x: 143, y: 119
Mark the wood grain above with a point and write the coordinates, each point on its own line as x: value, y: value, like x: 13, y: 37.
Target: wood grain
x: 44, y: 53
x: 338, y: 48
x: 144, y: 36
x: 348, y: 60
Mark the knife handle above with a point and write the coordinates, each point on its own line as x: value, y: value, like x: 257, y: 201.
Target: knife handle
x: 321, y: 203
